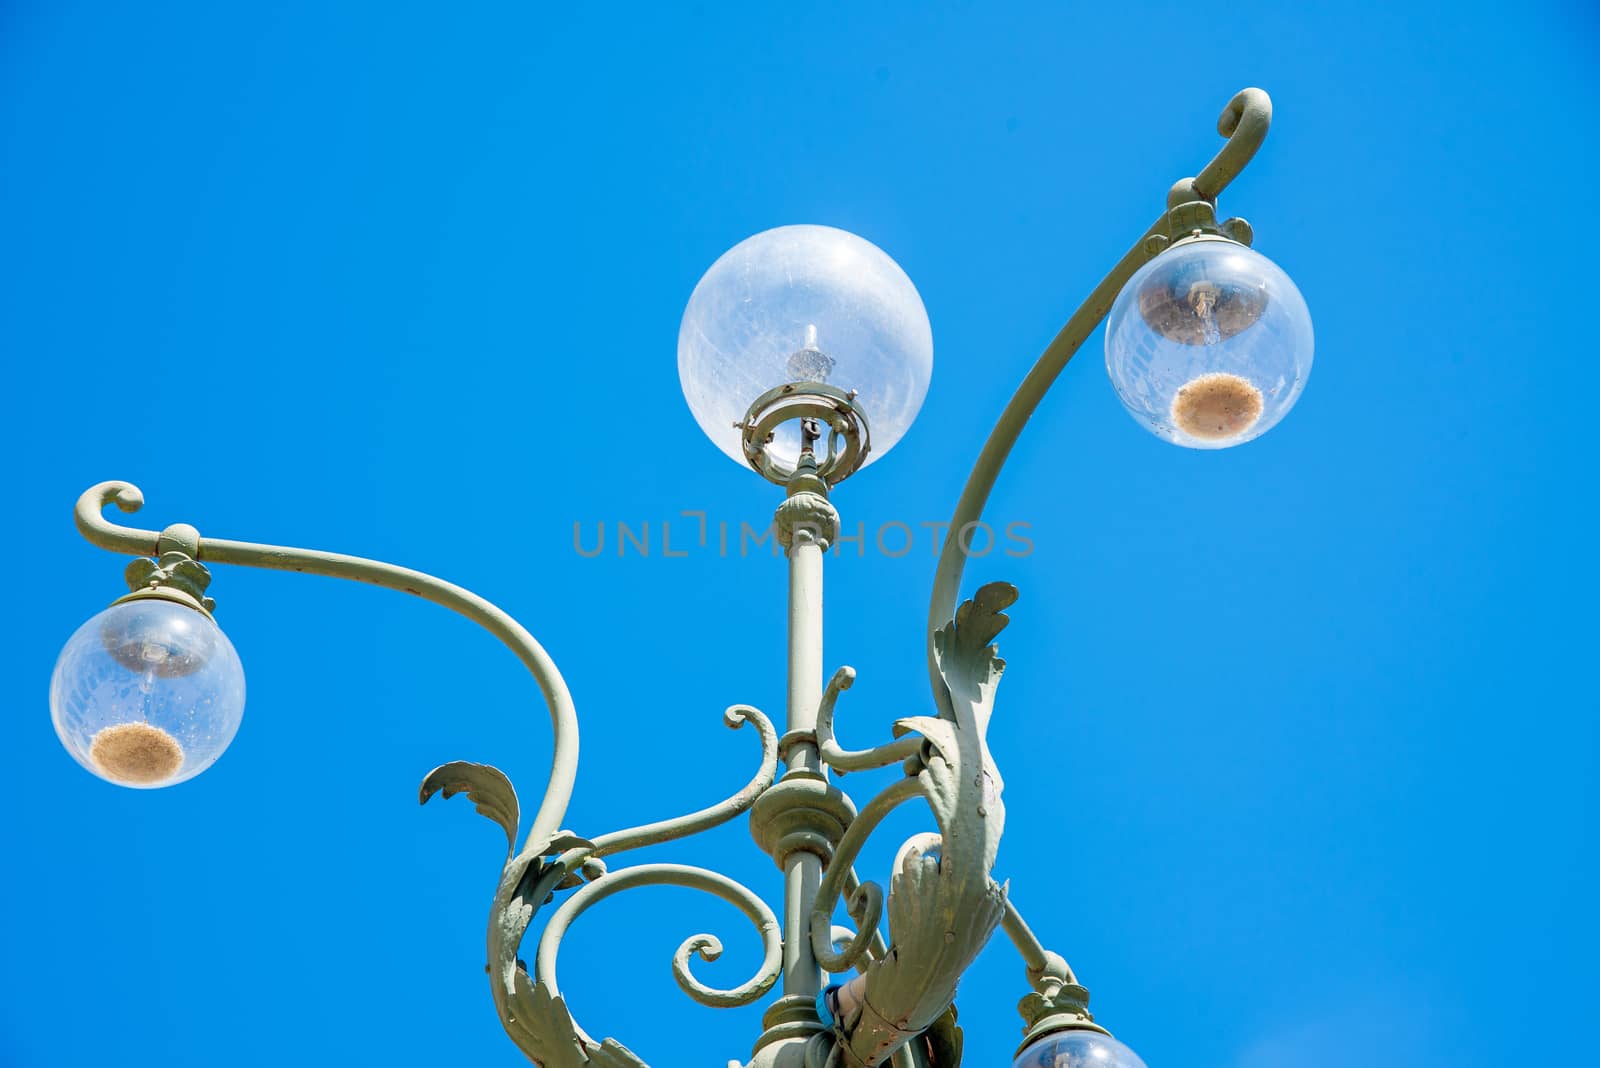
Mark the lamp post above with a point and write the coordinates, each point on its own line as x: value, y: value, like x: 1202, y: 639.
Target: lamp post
x: 804, y: 353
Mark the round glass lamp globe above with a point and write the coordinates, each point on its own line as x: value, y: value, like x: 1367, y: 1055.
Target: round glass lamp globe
x: 804, y: 304
x: 1078, y: 1049
x: 1209, y: 344
x: 148, y: 693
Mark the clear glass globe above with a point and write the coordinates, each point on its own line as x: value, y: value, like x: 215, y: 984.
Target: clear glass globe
x: 148, y: 693
x: 804, y: 304
x: 1209, y: 344
x: 1078, y: 1049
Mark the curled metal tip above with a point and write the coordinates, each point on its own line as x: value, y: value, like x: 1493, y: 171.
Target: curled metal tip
x: 89, y: 514
x: 1244, y: 123
x: 1252, y: 100
x: 736, y: 716
x: 125, y: 495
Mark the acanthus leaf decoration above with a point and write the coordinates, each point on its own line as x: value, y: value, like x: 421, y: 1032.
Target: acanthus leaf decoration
x: 943, y: 905
x: 538, y: 1023
x: 486, y: 787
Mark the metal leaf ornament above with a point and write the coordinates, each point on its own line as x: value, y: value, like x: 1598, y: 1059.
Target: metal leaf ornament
x: 943, y: 905
x: 538, y: 1023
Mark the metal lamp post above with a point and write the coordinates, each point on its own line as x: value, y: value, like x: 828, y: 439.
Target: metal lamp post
x: 1208, y: 344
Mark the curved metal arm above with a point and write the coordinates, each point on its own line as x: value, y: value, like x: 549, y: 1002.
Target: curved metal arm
x: 563, y: 718
x: 682, y: 826
x: 1057, y: 1000
x: 531, y: 1008
x: 1244, y: 123
x: 708, y: 947
x: 866, y: 902
x: 1041, y: 963
x: 845, y: 760
x: 876, y: 946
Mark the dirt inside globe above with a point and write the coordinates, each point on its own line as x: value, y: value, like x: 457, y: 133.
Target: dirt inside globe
x: 1216, y: 406
x: 136, y: 753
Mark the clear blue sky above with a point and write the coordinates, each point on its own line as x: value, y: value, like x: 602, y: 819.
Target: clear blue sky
x: 1299, y: 749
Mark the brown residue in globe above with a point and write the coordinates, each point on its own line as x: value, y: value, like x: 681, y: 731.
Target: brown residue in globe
x: 1216, y: 406
x: 136, y: 753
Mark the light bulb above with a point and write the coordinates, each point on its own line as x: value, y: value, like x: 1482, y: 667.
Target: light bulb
x: 1209, y: 344
x: 1078, y: 1048
x: 809, y: 363
x: 804, y: 304
x: 147, y: 693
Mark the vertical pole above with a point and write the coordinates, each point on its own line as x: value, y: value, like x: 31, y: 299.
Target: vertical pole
x: 806, y: 524
x: 801, y: 815
x: 803, y: 870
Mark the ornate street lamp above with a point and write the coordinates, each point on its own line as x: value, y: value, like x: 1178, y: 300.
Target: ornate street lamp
x: 805, y: 353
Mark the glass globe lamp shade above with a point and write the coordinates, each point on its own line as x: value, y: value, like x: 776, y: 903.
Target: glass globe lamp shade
x: 148, y: 693
x: 1209, y: 344
x: 1077, y: 1049
x: 804, y: 304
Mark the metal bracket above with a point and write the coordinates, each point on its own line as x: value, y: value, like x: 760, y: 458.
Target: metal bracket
x: 176, y: 577
x: 1196, y: 220
x: 849, y: 440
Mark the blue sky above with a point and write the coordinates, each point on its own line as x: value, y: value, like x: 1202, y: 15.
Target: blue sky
x: 1299, y: 750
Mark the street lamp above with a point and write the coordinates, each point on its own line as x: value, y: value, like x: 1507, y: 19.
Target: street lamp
x: 804, y: 353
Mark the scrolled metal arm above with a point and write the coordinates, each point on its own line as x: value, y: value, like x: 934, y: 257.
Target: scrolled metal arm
x: 866, y: 901
x: 845, y: 760
x: 683, y: 826
x: 708, y: 947
x: 113, y: 537
x: 1244, y: 123
x: 531, y: 1008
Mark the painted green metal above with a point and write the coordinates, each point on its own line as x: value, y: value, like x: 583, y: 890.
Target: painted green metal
x: 683, y: 826
x: 176, y: 577
x: 942, y: 905
x: 866, y: 903
x: 707, y: 947
x: 531, y: 1008
x: 534, y: 1016
x: 1057, y: 1001
x: 905, y: 748
x: 801, y: 820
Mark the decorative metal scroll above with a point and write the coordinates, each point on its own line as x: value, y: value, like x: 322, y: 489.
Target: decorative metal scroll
x: 531, y: 1007
x: 942, y: 904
